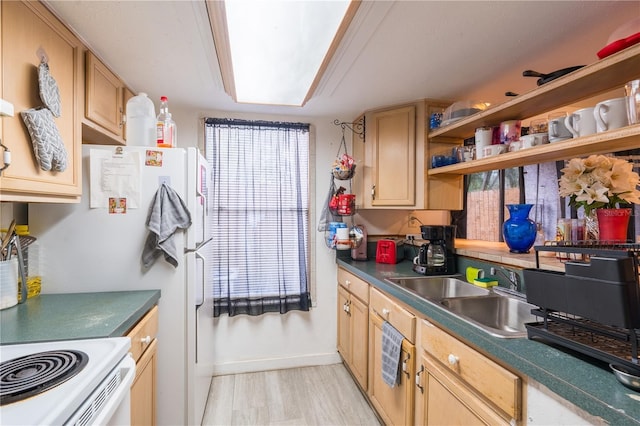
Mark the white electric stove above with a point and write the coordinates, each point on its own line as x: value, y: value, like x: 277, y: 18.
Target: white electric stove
x: 76, y: 382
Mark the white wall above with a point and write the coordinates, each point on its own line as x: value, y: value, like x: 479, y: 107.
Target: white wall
x: 272, y: 341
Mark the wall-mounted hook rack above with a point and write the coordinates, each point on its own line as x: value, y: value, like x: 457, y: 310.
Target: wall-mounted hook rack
x: 356, y: 127
x: 42, y: 55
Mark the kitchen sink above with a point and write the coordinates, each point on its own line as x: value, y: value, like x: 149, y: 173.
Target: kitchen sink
x: 496, y: 314
x: 436, y: 289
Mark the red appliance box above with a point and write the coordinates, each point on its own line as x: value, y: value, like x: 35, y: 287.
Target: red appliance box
x: 389, y: 251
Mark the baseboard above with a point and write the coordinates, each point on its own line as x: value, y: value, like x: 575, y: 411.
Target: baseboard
x: 268, y: 364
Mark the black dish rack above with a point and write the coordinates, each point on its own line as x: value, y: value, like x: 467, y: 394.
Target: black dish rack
x: 594, y: 306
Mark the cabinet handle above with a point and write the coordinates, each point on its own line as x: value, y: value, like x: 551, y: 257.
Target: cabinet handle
x: 418, y: 381
x: 347, y: 283
x: 385, y: 312
x: 146, y: 340
x: 347, y: 307
x: 405, y: 365
x: 453, y: 360
x: 373, y: 192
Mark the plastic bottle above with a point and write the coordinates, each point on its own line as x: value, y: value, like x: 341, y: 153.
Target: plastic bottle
x: 165, y: 126
x: 141, y: 121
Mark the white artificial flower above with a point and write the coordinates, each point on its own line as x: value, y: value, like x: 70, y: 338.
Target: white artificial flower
x: 599, y: 181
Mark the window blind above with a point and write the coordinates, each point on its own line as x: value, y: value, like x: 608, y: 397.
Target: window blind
x: 260, y: 216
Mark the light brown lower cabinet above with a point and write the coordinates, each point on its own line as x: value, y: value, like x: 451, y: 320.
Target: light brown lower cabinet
x: 144, y: 352
x: 143, y: 390
x: 457, y: 385
x: 353, y: 325
x: 394, y: 405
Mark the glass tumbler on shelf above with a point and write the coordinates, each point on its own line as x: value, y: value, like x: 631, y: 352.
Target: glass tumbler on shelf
x: 632, y: 90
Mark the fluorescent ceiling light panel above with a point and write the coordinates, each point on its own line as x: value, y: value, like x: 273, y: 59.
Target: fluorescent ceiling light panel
x: 278, y: 46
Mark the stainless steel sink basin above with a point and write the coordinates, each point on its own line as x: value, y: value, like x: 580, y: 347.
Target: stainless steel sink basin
x: 495, y: 314
x: 498, y: 315
x: 436, y: 289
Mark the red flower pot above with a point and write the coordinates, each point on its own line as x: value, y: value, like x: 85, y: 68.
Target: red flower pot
x: 613, y: 224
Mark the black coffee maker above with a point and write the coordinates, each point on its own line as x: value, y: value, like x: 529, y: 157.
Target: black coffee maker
x: 437, y: 257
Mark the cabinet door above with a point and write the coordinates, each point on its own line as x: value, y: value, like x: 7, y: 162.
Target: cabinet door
x: 27, y: 29
x: 103, y: 97
x: 344, y: 325
x: 143, y: 389
x: 394, y: 405
x: 390, y: 156
x: 359, y: 338
x: 445, y: 401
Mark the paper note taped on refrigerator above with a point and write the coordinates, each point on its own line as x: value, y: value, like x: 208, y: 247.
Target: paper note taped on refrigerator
x: 114, y: 174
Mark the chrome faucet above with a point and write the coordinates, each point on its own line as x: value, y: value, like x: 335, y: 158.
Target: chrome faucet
x: 512, y: 276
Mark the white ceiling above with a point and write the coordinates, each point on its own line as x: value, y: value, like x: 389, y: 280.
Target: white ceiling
x: 394, y: 51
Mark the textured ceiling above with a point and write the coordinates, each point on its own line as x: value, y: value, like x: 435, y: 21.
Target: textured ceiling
x: 393, y: 52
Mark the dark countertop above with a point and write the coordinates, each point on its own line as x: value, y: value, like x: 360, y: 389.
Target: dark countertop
x: 71, y: 316
x: 590, y: 386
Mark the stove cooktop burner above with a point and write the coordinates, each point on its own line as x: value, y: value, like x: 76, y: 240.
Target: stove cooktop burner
x: 29, y: 375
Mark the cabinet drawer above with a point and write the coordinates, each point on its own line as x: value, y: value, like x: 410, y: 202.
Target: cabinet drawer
x: 143, y: 333
x: 495, y: 383
x: 403, y: 320
x: 355, y: 285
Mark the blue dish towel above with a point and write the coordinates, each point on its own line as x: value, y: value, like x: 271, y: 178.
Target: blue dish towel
x: 167, y: 214
x: 391, y: 348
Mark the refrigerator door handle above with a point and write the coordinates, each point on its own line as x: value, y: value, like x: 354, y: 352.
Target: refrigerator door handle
x: 198, y: 247
x: 201, y: 284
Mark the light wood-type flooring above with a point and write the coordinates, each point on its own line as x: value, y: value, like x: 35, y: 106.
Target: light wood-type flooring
x: 322, y: 395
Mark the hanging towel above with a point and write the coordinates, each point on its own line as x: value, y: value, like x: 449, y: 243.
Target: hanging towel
x: 391, y: 348
x: 167, y: 214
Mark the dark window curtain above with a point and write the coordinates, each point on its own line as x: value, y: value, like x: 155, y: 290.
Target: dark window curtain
x: 260, y: 216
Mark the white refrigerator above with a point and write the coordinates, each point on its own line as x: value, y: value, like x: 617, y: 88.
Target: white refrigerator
x: 97, y: 245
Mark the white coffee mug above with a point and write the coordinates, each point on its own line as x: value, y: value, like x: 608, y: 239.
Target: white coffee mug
x: 491, y: 150
x: 557, y: 129
x: 581, y: 123
x: 483, y: 138
x: 534, y: 139
x: 515, y: 146
x: 611, y: 114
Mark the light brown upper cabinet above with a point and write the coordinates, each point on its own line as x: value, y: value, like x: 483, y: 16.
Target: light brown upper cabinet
x: 28, y: 30
x: 393, y: 162
x: 106, y: 98
x: 387, y: 157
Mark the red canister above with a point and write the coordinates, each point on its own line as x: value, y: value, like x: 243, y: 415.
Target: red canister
x: 346, y: 204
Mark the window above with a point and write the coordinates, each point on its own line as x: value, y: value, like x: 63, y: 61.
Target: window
x: 260, y: 216
x: 486, y: 196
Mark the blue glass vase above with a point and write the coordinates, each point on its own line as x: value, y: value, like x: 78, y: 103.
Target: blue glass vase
x: 519, y: 231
